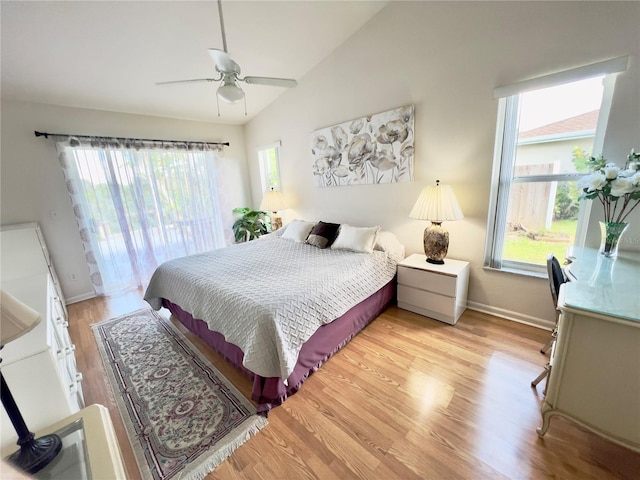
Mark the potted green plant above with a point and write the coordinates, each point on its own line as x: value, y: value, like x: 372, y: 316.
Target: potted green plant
x: 251, y: 224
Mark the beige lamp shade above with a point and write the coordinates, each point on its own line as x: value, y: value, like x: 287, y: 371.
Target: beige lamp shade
x: 437, y: 203
x: 273, y: 200
x: 16, y: 318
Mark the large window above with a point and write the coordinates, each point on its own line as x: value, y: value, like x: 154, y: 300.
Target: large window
x: 547, y: 128
x: 139, y: 207
x: 269, y: 158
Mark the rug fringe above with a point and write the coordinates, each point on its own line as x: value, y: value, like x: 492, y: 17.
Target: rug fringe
x: 200, y: 469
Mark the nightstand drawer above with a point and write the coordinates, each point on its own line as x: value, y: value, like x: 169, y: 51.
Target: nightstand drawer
x: 428, y: 281
x: 426, y: 300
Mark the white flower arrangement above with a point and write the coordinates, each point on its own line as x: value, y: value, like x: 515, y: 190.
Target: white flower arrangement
x: 616, y: 188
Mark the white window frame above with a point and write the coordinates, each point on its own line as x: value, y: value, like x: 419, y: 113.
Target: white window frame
x: 265, y: 169
x: 505, y: 145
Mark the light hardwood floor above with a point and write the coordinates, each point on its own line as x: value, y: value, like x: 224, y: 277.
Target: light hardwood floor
x: 407, y: 398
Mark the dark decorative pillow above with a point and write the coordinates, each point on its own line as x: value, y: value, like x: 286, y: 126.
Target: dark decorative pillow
x: 323, y: 234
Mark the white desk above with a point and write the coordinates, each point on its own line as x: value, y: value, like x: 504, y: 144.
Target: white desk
x: 595, y: 374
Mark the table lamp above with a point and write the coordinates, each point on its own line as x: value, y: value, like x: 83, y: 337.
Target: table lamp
x: 272, y: 201
x: 34, y: 454
x: 436, y: 203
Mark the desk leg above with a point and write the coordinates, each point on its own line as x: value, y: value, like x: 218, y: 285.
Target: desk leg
x: 547, y: 413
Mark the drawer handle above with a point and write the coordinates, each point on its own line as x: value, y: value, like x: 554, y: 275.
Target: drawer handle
x: 69, y: 350
x: 62, y: 322
x: 74, y: 387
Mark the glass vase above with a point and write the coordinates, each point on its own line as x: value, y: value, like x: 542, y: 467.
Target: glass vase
x: 610, y: 237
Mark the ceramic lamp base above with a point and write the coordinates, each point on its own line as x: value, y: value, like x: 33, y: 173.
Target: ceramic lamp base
x: 436, y: 243
x: 276, y: 221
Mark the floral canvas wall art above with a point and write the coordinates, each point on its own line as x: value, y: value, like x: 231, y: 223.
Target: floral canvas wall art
x: 374, y: 149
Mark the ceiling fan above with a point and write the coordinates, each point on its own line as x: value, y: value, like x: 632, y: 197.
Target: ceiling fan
x: 229, y: 74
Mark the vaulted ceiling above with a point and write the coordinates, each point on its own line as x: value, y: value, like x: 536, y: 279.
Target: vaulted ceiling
x: 108, y: 55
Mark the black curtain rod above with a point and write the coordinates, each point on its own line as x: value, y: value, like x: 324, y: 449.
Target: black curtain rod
x: 46, y: 135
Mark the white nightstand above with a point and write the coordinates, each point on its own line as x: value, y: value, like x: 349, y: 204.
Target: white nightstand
x: 435, y: 291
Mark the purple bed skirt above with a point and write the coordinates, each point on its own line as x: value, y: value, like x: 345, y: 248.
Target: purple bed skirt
x: 271, y: 391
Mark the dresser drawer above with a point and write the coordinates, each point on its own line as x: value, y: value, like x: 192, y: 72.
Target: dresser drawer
x: 73, y: 383
x: 426, y: 300
x: 70, y: 377
x: 59, y: 326
x: 428, y: 281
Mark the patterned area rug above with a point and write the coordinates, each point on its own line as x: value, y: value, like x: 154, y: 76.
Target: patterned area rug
x: 182, y: 416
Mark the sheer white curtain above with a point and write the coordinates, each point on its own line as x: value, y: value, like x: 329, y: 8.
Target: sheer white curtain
x: 139, y: 204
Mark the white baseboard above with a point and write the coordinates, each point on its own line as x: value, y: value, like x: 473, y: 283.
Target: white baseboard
x: 79, y: 298
x: 513, y: 316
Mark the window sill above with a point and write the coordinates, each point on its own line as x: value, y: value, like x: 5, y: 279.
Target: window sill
x: 517, y: 271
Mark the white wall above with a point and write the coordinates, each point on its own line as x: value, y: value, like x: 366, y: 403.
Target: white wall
x: 623, y: 133
x: 32, y: 183
x: 446, y: 58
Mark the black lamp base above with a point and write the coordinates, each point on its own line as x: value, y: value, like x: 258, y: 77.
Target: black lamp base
x: 435, y: 262
x: 35, y: 454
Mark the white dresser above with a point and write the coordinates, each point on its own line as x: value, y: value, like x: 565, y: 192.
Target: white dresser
x: 39, y: 367
x: 24, y: 253
x: 435, y: 291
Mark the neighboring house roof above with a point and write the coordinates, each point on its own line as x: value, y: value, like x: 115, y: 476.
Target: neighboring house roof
x: 564, y: 128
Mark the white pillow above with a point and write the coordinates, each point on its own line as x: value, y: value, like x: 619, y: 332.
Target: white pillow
x: 357, y: 239
x: 298, y: 230
x: 388, y: 242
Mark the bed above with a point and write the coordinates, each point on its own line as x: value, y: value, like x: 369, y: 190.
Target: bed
x: 280, y: 306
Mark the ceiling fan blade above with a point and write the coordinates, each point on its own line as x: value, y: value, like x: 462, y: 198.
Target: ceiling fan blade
x: 271, y: 81
x: 223, y: 61
x: 195, y: 80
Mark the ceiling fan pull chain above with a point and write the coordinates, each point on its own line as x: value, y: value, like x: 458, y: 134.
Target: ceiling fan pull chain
x: 218, y: 104
x: 245, y: 105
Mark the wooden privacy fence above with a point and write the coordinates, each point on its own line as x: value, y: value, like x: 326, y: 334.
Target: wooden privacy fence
x: 531, y: 204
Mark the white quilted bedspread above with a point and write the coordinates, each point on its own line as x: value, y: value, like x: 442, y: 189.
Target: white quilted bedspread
x: 270, y: 295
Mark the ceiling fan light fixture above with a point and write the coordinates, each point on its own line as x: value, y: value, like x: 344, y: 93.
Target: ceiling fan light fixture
x: 230, y: 93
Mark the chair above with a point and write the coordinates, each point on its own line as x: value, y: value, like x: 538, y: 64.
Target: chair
x: 556, y: 279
